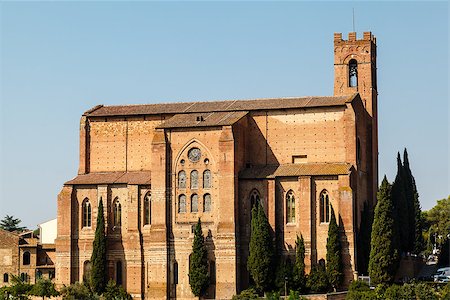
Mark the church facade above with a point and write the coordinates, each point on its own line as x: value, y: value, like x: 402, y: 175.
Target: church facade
x: 158, y: 168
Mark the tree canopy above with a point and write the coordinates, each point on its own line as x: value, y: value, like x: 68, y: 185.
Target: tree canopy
x: 334, y: 265
x: 98, y: 258
x: 9, y: 223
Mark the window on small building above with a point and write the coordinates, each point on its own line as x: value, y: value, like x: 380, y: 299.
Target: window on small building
x: 38, y: 274
x: 194, y: 179
x: 26, y: 258
x: 207, y: 203
x: 24, y: 277
x: 119, y: 272
x: 182, y: 204
x: 182, y: 179
x: 290, y: 207
x: 299, y: 159
x: 5, y: 277
x: 324, y: 207
x: 207, y: 179
x: 194, y: 203
x: 117, y: 213
x: 87, y: 213
x: 147, y: 209
x: 353, y: 73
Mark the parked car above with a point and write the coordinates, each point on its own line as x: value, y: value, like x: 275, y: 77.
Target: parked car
x: 442, y: 275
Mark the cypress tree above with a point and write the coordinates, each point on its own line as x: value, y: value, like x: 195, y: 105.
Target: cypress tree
x: 98, y: 259
x: 299, y: 266
x: 416, y: 237
x: 260, y: 260
x: 401, y: 211
x: 383, y: 253
x: 334, y: 259
x: 198, y: 265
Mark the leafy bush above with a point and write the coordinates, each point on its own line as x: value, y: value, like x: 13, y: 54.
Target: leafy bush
x: 317, y: 281
x: 273, y: 296
x: 394, y: 292
x: 360, y: 290
x: 115, y: 292
x: 44, y: 288
x: 425, y: 292
x: 77, y: 291
x: 445, y: 292
x: 358, y: 285
x: 294, y: 295
x: 246, y: 295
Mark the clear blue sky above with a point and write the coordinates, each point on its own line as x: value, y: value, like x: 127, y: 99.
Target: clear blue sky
x: 59, y: 59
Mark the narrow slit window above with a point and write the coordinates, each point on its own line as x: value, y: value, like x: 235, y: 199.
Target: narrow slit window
x: 147, y: 209
x: 290, y: 207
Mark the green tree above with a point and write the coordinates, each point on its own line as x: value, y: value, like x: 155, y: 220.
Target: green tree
x: 334, y: 259
x: 98, y: 259
x: 299, y: 266
x: 383, y: 254
x: 198, y: 266
x: 19, y: 289
x: 77, y: 291
x: 401, y: 210
x: 260, y: 260
x: 9, y: 223
x: 364, y: 233
x: 44, y: 288
x: 412, y: 196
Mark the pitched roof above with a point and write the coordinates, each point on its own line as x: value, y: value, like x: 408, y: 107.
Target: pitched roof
x: 138, y: 177
x: 203, y: 119
x: 287, y: 170
x: 218, y: 106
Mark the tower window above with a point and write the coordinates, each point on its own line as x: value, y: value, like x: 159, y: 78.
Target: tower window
x: 353, y: 73
x: 182, y: 179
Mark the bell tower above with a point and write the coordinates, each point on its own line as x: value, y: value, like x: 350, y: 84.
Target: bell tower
x: 355, y: 71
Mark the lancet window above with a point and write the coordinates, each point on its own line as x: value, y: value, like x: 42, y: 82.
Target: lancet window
x: 87, y: 213
x: 207, y: 179
x: 324, y: 207
x: 117, y: 213
x: 147, y: 209
x: 194, y: 179
x: 182, y: 204
x: 207, y: 203
x: 194, y: 203
x: 182, y: 179
x: 290, y: 207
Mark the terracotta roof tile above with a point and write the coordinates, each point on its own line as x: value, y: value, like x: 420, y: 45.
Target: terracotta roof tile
x: 203, y: 119
x: 272, y: 171
x: 142, y: 177
x: 218, y: 106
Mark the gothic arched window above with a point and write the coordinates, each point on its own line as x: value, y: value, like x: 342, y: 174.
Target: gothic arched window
x: 290, y: 207
x: 182, y: 204
x: 194, y: 203
x: 194, y: 179
x: 207, y: 179
x: 147, y: 209
x: 182, y: 179
x: 117, y: 213
x: 254, y: 198
x: 26, y: 258
x: 86, y: 207
x: 324, y: 207
x: 207, y: 203
x: 353, y: 73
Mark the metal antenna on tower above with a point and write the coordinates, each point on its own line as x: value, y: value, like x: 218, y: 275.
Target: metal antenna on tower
x: 354, y: 19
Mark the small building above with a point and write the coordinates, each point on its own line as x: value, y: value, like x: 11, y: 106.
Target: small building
x: 26, y: 255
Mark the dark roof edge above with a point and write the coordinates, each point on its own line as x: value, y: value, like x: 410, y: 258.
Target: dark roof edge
x: 92, y: 109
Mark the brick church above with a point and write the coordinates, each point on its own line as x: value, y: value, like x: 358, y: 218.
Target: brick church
x: 159, y: 167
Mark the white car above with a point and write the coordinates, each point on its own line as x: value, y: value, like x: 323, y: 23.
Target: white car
x: 442, y: 275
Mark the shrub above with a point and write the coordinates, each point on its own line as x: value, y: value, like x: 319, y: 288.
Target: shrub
x: 273, y: 296
x: 425, y: 292
x: 247, y: 294
x: 77, y: 291
x: 317, y: 281
x: 115, y: 292
x: 394, y: 292
x: 445, y: 292
x: 359, y: 285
